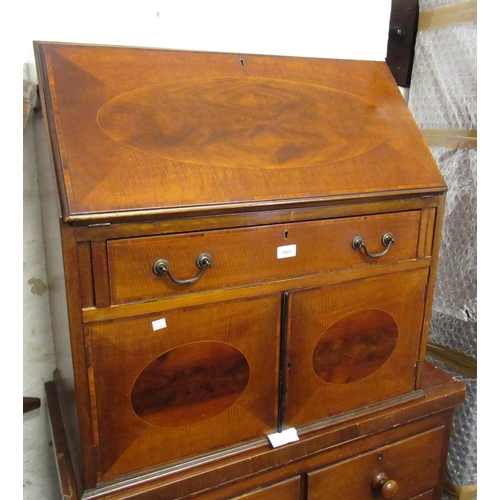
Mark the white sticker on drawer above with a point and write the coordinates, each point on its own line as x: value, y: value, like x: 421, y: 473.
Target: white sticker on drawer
x: 287, y: 251
x: 159, y: 324
x: 285, y: 437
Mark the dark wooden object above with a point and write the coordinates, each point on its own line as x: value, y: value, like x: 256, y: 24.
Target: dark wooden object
x: 30, y: 404
x: 68, y: 479
x: 249, y: 244
x: 402, y: 37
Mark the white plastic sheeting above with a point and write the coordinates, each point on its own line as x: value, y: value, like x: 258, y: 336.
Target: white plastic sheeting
x: 443, y: 95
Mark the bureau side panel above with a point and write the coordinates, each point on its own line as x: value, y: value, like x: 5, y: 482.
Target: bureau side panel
x: 60, y: 251
x: 433, y: 242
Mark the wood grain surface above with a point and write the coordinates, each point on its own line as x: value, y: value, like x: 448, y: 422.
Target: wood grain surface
x: 148, y: 132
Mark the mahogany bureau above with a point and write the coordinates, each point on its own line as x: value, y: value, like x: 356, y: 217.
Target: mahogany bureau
x: 249, y: 246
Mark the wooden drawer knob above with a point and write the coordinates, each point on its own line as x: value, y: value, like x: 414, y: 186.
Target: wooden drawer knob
x: 387, y: 488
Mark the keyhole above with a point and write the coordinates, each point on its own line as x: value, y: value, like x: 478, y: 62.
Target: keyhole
x: 242, y: 62
x: 286, y: 235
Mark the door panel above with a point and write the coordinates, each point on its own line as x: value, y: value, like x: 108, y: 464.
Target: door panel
x: 193, y: 380
x: 352, y: 344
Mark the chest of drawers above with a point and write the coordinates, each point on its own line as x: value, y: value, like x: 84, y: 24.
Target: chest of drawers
x: 249, y: 245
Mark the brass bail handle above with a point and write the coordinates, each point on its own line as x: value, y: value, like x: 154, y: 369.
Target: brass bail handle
x: 387, y: 240
x: 161, y: 268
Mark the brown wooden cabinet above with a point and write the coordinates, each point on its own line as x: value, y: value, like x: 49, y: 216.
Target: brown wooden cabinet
x: 249, y: 245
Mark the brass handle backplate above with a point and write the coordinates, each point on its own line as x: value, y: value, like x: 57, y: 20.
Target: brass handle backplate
x: 387, y: 240
x: 162, y: 267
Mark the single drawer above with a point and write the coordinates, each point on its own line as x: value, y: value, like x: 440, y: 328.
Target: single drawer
x: 424, y: 496
x: 255, y: 254
x: 285, y: 490
x: 402, y: 470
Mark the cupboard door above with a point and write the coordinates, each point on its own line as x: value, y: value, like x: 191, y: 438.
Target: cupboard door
x: 185, y: 382
x: 352, y: 344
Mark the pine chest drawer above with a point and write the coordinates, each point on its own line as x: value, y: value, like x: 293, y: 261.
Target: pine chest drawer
x: 404, y: 470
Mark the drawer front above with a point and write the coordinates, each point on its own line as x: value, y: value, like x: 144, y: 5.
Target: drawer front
x: 361, y: 346
x: 185, y: 382
x: 413, y: 465
x: 286, y: 490
x: 256, y: 254
x: 428, y: 495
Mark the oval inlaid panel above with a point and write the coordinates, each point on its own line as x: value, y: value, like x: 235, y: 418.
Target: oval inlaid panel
x: 190, y: 384
x: 355, y: 346
x: 245, y: 122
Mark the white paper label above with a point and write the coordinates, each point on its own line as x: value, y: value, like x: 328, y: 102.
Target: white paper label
x: 287, y: 251
x: 285, y: 437
x: 159, y: 324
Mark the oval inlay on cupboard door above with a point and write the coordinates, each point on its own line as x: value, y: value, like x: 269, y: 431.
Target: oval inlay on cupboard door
x: 355, y: 346
x: 245, y: 122
x: 190, y: 383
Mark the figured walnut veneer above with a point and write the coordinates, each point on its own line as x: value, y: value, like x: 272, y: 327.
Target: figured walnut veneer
x: 160, y: 128
x: 244, y: 122
x: 355, y: 346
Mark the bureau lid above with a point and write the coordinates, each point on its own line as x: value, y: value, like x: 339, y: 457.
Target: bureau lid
x: 140, y: 132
